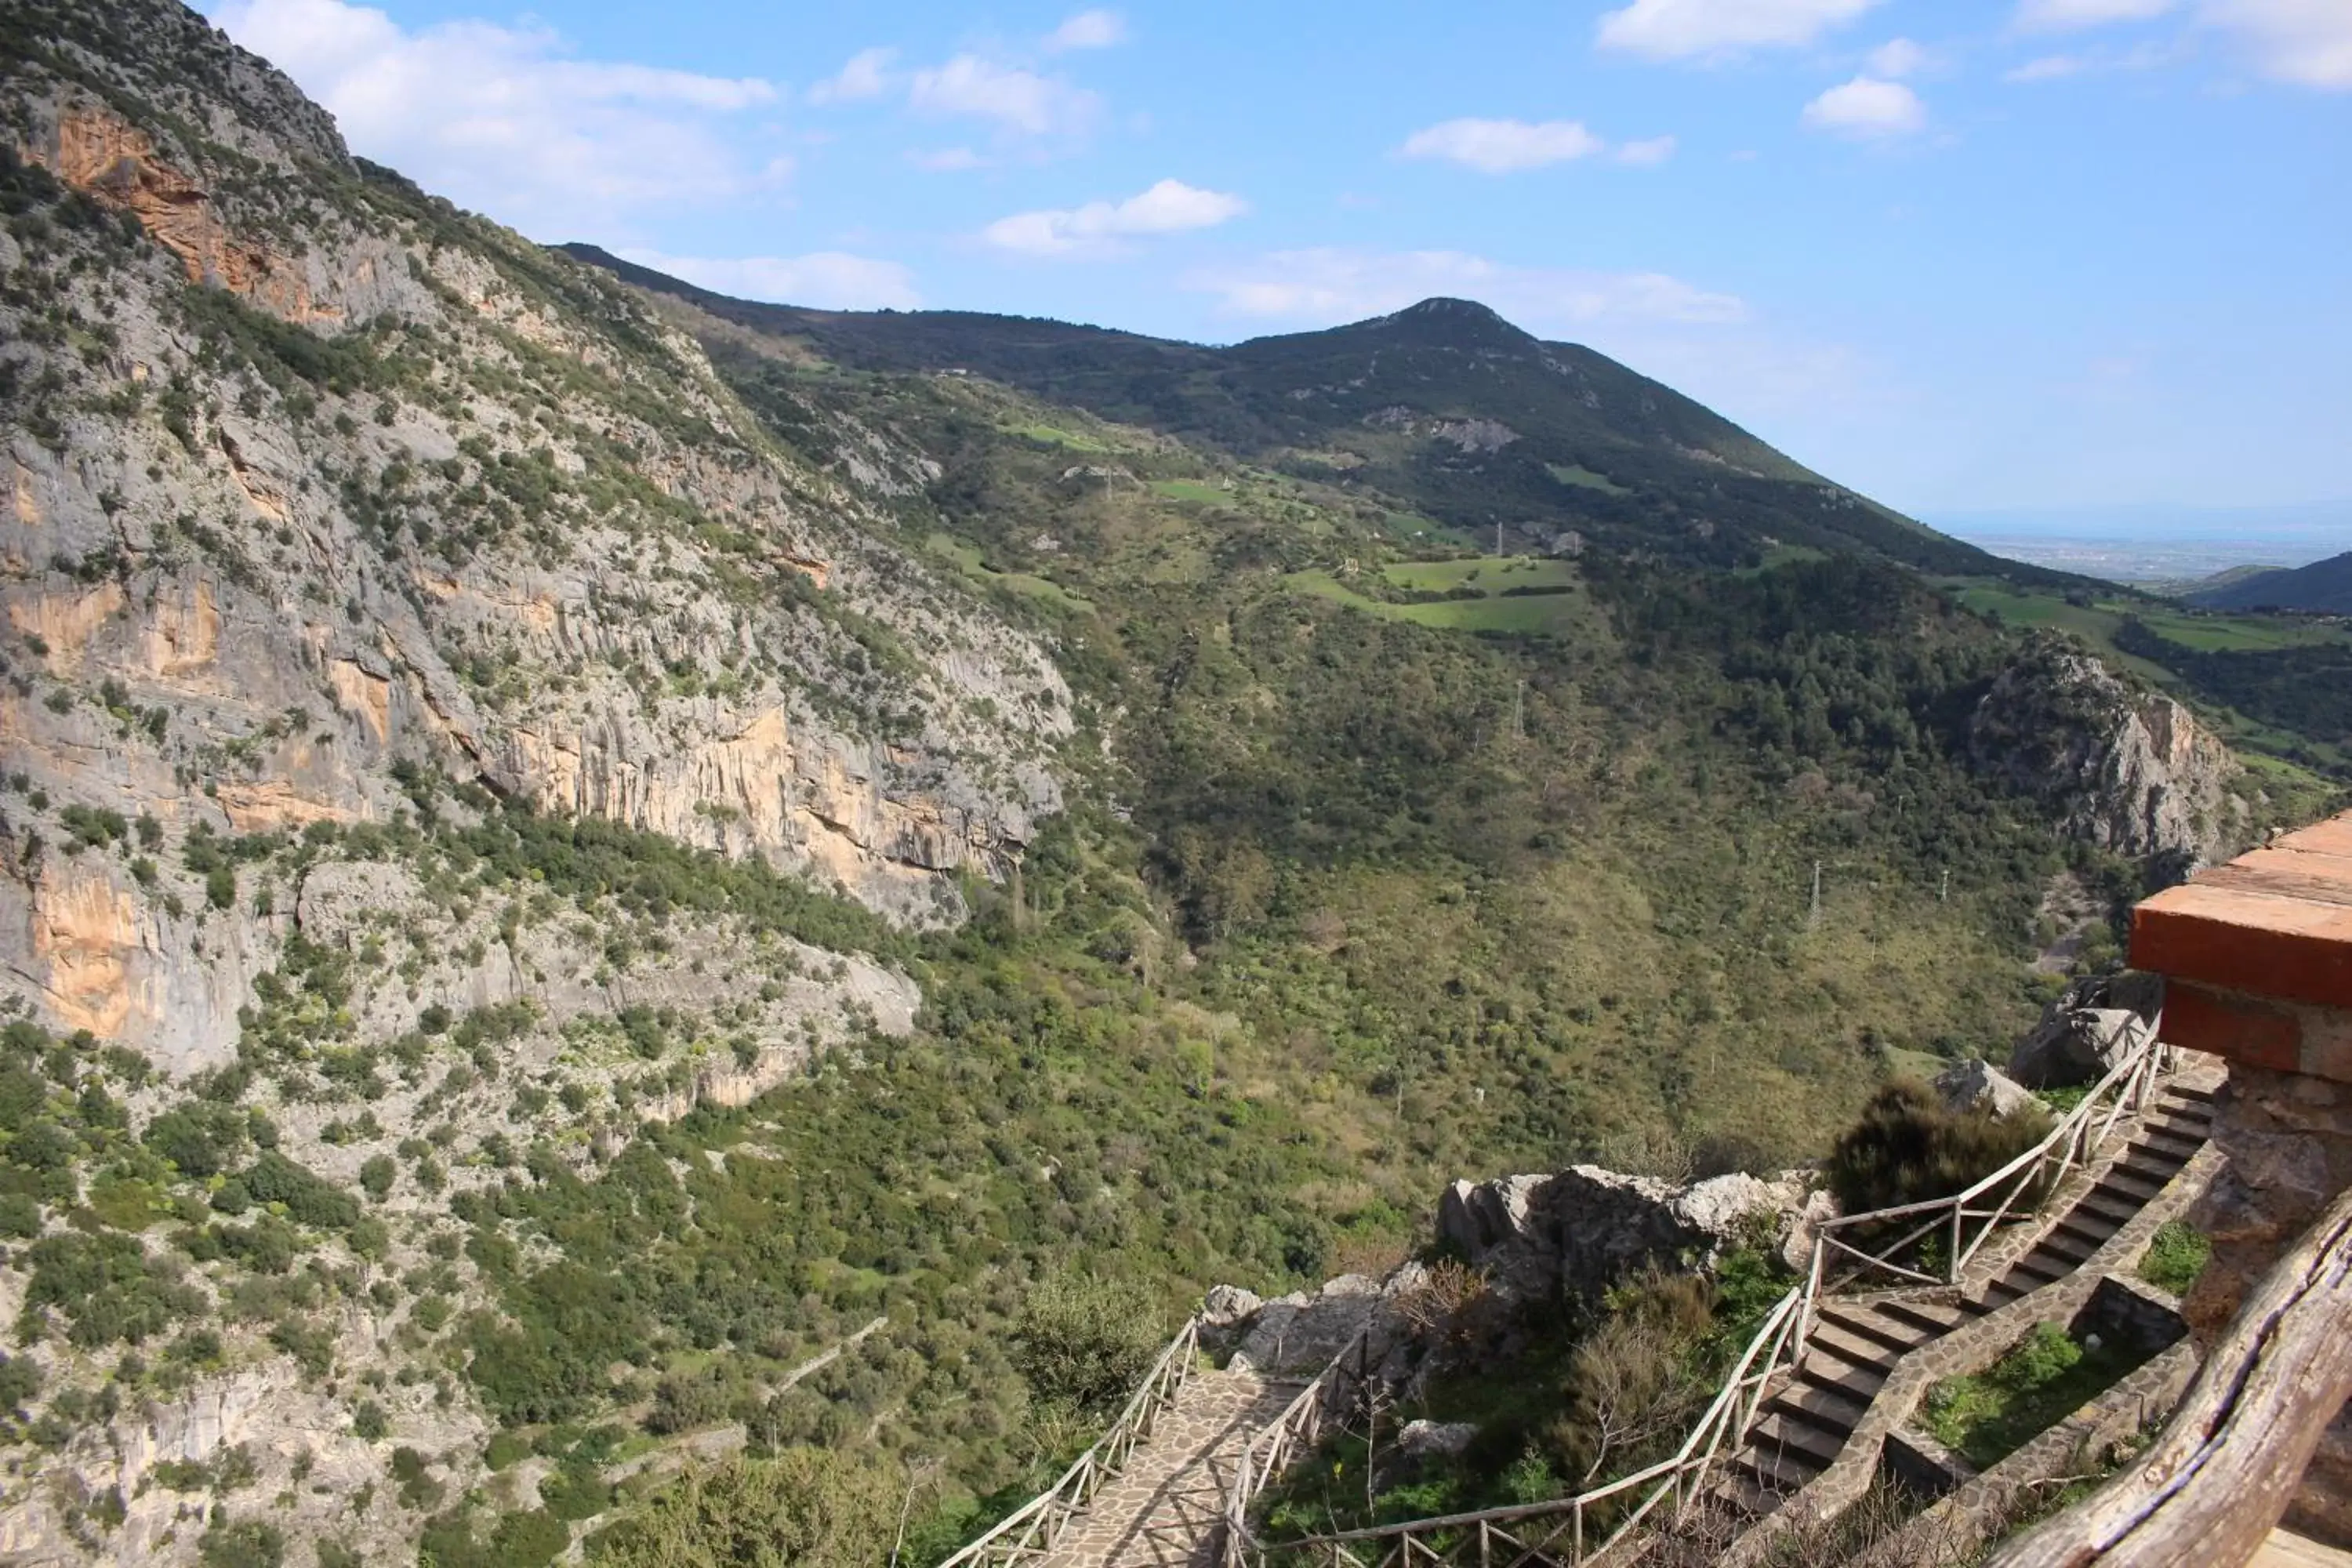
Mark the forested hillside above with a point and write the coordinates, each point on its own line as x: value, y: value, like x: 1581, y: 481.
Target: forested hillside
x: 604, y: 910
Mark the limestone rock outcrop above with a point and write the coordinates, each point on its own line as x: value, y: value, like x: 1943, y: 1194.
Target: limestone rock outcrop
x: 2075, y: 1045
x: 1980, y: 1086
x: 352, y: 487
x: 1577, y: 1232
x: 2127, y: 768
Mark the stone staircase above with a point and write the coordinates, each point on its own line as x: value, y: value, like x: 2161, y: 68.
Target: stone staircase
x: 1164, y: 1509
x: 1857, y: 1344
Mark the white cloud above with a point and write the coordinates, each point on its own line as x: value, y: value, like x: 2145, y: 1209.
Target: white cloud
x: 501, y: 119
x: 1646, y: 154
x: 2048, y: 67
x: 1896, y: 57
x: 2307, y: 42
x: 1088, y: 30
x: 2055, y: 67
x: 2072, y: 16
x: 1700, y: 29
x: 866, y: 75
x: 1017, y: 100
x: 824, y: 279
x: 948, y: 160
x: 1324, y: 285
x: 1867, y: 106
x: 1500, y: 146
x: 1170, y: 206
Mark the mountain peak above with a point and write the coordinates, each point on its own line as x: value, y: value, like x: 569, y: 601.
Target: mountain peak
x: 1458, y: 323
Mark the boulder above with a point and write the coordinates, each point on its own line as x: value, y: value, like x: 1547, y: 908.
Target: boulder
x: 1979, y: 1085
x: 1431, y: 1439
x: 1579, y: 1230
x: 2075, y: 1045
x: 1226, y: 1305
x: 1298, y: 1334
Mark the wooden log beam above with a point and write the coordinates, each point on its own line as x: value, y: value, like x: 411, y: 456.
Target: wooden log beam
x: 2231, y: 1459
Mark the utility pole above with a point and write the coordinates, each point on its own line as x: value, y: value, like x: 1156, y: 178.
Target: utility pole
x: 1518, y: 712
x: 1498, y: 539
x: 1944, y: 893
x: 1813, y: 919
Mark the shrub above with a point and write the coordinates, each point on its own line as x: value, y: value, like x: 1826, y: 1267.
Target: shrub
x: 248, y: 1544
x: 1083, y: 1342
x: 1906, y: 1148
x: 2177, y: 1255
x: 814, y: 1508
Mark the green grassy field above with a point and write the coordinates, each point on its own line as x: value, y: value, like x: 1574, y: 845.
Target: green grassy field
x: 1190, y: 489
x: 1565, y: 610
x: 1584, y: 479
x: 1055, y: 435
x: 967, y: 558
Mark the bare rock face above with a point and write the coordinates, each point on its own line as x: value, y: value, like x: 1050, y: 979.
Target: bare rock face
x: 2075, y: 1045
x: 1979, y: 1085
x: 2128, y: 770
x: 391, y: 488
x: 1580, y: 1230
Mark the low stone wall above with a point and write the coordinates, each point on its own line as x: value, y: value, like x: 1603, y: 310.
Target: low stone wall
x: 1949, y: 1531
x: 1970, y: 1348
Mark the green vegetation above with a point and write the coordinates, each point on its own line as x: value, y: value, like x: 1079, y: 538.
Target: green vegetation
x: 2177, y: 1255
x: 1906, y: 1148
x: 2046, y: 1377
x: 1578, y: 1399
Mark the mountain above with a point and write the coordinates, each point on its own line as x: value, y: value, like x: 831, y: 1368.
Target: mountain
x: 608, y: 917
x: 1462, y: 416
x: 2323, y: 587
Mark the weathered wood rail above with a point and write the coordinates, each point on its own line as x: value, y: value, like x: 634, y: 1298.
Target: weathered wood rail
x: 1031, y: 1531
x: 1583, y: 1529
x: 2227, y: 1465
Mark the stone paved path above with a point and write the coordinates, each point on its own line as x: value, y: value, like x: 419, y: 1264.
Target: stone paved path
x: 1162, y: 1510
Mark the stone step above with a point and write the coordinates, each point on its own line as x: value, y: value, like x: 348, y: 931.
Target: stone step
x: 1801, y: 1440
x: 2107, y: 1208
x: 2088, y: 1225
x: 1826, y: 1408
x: 1932, y: 1317
x: 2170, y: 1140
x: 2134, y: 1185
x: 1869, y: 1324
x: 1852, y: 1349
x: 2002, y: 1292
x: 1777, y: 1472
x: 1840, y: 1377
x: 2039, y: 1270
x: 2072, y: 1246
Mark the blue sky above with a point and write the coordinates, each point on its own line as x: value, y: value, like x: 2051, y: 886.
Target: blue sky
x: 2037, y: 253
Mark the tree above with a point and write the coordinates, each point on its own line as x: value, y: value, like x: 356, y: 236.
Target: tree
x: 1083, y: 1341
x: 810, y: 1508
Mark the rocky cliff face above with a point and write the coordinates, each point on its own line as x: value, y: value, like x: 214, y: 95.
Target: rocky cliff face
x: 305, y: 476
x: 2127, y: 768
x: 330, y: 519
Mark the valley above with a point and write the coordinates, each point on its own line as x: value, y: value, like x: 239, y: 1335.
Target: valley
x: 617, y: 904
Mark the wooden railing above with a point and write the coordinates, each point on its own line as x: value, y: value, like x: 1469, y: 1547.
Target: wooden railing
x: 1032, y: 1530
x: 1559, y: 1534
x: 1301, y: 1427
x: 1964, y: 1222
x: 1567, y: 1532
x: 2232, y: 1456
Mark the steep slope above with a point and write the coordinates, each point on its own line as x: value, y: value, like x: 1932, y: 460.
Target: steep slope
x: 1444, y: 406
x: 448, y: 1086
x: 2323, y: 587
x: 386, y: 486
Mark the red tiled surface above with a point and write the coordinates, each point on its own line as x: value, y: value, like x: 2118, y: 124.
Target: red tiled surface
x: 2276, y: 923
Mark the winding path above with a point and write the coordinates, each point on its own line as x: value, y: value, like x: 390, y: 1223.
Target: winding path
x: 1164, y: 1509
